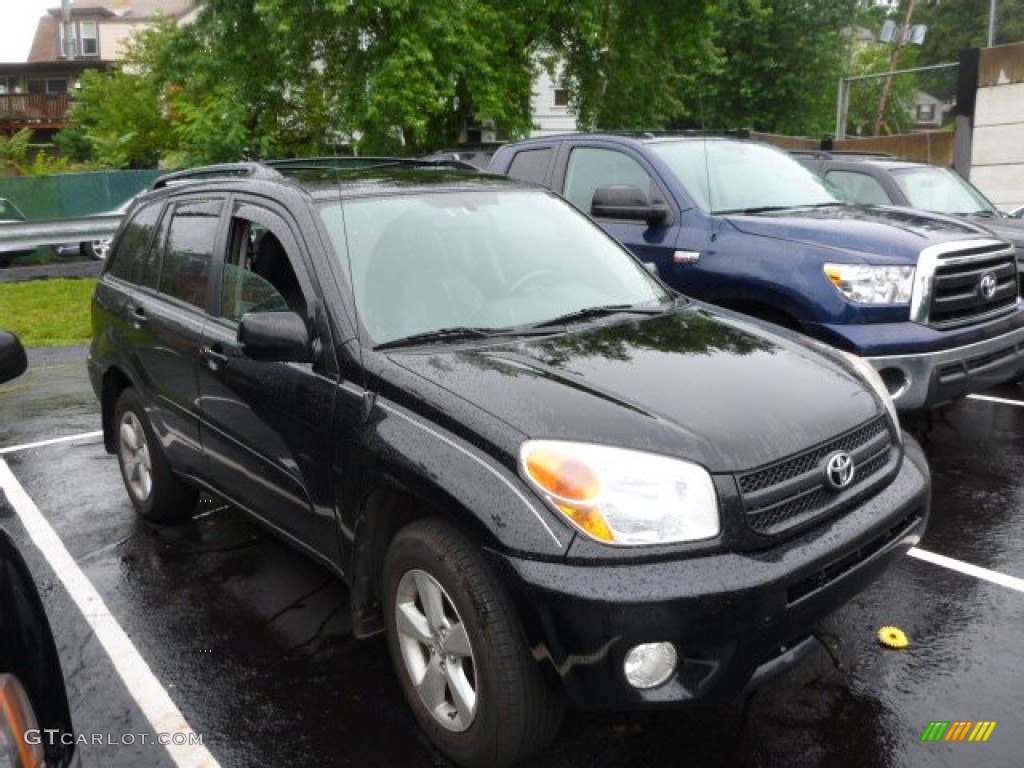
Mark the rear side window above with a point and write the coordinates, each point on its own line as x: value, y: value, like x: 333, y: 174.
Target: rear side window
x: 135, y: 243
x: 530, y: 165
x: 185, y: 272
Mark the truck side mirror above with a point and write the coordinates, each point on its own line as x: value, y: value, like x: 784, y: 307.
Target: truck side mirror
x: 625, y: 201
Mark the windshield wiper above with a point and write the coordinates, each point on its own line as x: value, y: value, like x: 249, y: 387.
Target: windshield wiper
x: 602, y: 311
x: 458, y: 333
x: 761, y: 209
x: 441, y: 334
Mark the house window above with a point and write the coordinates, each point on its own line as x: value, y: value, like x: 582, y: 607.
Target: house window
x: 90, y: 40
x: 925, y: 113
x: 561, y: 97
x: 50, y: 86
x: 8, y: 84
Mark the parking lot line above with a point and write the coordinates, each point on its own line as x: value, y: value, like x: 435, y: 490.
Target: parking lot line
x: 152, y: 698
x: 1002, y: 400
x: 54, y: 441
x: 1012, y: 582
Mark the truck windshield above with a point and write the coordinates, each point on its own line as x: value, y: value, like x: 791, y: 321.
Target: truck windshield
x: 479, y: 260
x: 940, y: 190
x: 725, y: 176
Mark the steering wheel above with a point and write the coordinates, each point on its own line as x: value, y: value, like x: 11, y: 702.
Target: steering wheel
x: 531, y: 277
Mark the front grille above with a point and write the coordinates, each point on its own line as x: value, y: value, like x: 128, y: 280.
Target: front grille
x: 957, y: 298
x: 793, y: 491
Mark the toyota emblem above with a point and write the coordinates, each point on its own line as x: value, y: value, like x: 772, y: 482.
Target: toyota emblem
x: 987, y: 285
x: 839, y: 470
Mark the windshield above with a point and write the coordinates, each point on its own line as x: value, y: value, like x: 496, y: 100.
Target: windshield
x: 487, y: 259
x: 940, y: 190
x: 734, y: 176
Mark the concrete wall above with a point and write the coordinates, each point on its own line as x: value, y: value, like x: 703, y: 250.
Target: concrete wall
x: 997, y: 142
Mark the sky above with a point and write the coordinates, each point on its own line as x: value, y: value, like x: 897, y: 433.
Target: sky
x: 19, y: 18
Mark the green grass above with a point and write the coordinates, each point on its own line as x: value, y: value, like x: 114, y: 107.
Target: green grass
x: 47, y: 313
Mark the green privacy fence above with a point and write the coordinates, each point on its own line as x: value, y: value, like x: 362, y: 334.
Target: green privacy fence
x: 73, y: 194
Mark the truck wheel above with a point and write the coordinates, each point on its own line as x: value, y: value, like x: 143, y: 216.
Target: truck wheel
x: 95, y: 249
x: 156, y: 493
x: 459, y: 651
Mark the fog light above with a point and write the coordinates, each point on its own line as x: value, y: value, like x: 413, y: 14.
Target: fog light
x: 649, y: 665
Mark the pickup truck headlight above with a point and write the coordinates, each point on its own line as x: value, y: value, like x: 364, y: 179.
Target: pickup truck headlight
x: 623, y: 497
x: 872, y: 285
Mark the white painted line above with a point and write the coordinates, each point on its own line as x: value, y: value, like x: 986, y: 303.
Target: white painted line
x: 1002, y: 400
x: 149, y: 694
x: 1011, y: 582
x: 54, y: 441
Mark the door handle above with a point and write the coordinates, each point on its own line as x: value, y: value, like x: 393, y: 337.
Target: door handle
x: 138, y: 316
x: 213, y: 357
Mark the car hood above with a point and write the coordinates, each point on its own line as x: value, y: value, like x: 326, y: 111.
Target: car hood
x: 1008, y: 229
x: 712, y: 388
x: 886, y: 235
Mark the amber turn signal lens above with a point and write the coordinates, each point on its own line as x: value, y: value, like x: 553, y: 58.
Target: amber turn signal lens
x: 563, y: 476
x: 17, y: 717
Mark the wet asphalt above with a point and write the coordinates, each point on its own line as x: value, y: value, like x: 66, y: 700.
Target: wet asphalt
x: 253, y: 642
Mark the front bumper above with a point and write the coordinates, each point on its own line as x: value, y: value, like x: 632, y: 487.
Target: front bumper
x: 733, y: 617
x: 930, y: 378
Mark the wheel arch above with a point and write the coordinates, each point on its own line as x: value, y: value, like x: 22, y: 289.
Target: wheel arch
x: 115, y: 381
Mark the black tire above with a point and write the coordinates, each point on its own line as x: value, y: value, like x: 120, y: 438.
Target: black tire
x: 165, y: 498
x: 516, y: 712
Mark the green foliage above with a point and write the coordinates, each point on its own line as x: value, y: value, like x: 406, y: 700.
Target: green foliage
x: 14, y: 151
x: 865, y: 94
x: 258, y: 78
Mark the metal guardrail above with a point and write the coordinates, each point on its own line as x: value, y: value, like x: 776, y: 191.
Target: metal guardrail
x: 26, y: 235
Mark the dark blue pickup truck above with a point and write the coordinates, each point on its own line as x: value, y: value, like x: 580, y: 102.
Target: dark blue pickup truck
x: 931, y: 301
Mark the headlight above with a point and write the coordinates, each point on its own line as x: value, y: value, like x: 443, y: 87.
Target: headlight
x: 872, y: 285
x: 623, y: 497
x: 863, y: 367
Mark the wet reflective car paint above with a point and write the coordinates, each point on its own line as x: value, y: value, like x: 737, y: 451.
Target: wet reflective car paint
x: 722, y: 392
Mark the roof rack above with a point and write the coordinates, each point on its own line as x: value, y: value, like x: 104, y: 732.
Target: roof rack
x: 276, y: 169
x: 735, y: 133
x: 250, y: 169
x: 358, y: 163
x: 853, y: 154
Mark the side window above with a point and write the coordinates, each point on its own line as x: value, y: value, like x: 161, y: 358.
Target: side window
x: 859, y: 187
x: 135, y: 243
x: 258, y: 273
x: 185, y: 272
x: 530, y: 165
x: 590, y: 168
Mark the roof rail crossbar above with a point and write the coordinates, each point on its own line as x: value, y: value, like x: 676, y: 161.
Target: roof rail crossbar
x: 358, y: 163
x: 251, y: 169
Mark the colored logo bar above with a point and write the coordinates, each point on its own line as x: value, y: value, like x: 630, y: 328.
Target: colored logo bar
x: 958, y: 730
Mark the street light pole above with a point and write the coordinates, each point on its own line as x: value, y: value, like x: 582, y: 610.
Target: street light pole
x: 991, y: 23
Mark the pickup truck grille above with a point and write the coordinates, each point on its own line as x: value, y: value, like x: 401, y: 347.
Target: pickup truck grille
x: 973, y: 284
x: 793, y: 492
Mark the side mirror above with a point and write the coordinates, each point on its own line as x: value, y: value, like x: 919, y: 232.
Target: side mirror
x: 278, y: 336
x: 624, y: 201
x: 13, y: 361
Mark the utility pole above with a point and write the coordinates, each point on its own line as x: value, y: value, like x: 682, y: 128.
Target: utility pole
x: 883, y: 100
x: 992, y: 23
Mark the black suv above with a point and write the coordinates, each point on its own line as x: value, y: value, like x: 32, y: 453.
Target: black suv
x: 544, y: 475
